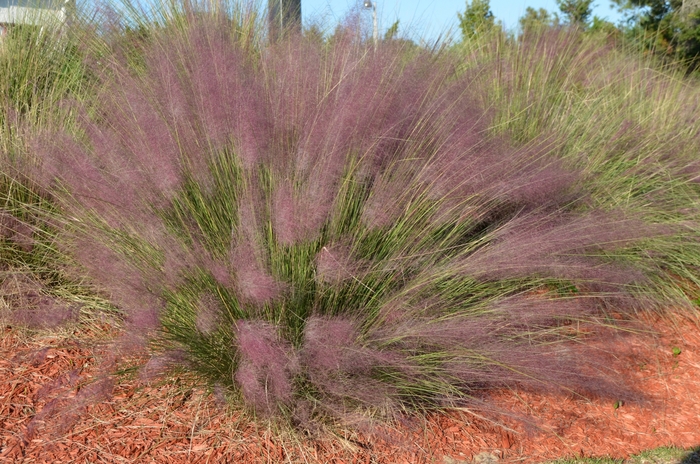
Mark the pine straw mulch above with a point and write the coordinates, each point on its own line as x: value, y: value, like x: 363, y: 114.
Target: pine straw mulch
x: 175, y: 423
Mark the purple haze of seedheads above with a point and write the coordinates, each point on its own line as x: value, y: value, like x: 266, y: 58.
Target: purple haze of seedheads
x: 160, y: 364
x: 142, y: 130
x: 31, y: 306
x: 328, y: 344
x: 338, y: 365
x: 229, y: 100
x: 361, y: 106
x: 208, y: 313
x: 64, y: 160
x: 385, y: 204
x: 61, y: 413
x: 16, y: 231
x: 266, y: 365
x: 96, y: 392
x: 479, y: 351
x: 556, y: 247
x: 125, y: 284
x: 284, y: 215
x: 253, y: 283
x: 334, y: 265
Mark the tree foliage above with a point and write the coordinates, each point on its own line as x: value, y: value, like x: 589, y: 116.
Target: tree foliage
x: 665, y: 27
x: 577, y: 12
x: 392, y: 32
x: 477, y: 18
x: 537, y: 19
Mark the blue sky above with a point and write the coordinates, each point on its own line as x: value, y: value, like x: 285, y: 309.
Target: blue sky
x: 428, y: 18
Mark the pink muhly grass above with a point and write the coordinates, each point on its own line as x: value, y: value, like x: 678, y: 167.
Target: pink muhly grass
x: 18, y: 232
x: 95, y: 392
x: 450, y: 335
x: 180, y: 260
x: 91, y: 394
x: 133, y: 291
x: 40, y: 311
x: 227, y: 95
x: 300, y: 123
x: 220, y: 272
x: 461, y: 168
x: 554, y: 246
x: 58, y: 385
x: 8, y: 224
x: 538, y: 368
x: 266, y: 365
x: 498, y: 348
x: 147, y: 317
x: 132, y: 156
x: 93, y: 183
x: 30, y: 304
x: 334, y: 264
x: 495, y: 171
x: 63, y: 160
x: 160, y: 364
x: 385, y: 204
x: 329, y: 343
x: 284, y: 214
x: 248, y: 257
x: 338, y: 365
x: 147, y: 140
x: 292, y: 71
x: 315, y: 204
x: 253, y: 283
x: 523, y: 313
x: 208, y: 313
x: 533, y: 180
x: 251, y: 208
x: 61, y: 413
x: 364, y: 107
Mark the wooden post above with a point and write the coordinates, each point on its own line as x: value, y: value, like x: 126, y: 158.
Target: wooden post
x: 283, y: 16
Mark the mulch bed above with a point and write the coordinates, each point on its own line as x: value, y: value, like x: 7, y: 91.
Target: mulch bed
x: 51, y: 412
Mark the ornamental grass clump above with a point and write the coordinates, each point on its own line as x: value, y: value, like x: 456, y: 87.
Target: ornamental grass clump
x: 39, y: 66
x: 325, y: 230
x: 627, y: 125
x: 42, y: 65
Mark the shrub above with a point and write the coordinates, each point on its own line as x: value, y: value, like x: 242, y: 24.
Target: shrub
x: 324, y: 229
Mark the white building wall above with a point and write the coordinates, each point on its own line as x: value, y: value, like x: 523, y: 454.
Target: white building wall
x: 38, y: 12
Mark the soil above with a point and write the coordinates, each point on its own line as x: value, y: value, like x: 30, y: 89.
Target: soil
x: 50, y: 412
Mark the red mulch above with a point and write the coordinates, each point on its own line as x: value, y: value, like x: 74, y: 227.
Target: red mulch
x: 173, y: 423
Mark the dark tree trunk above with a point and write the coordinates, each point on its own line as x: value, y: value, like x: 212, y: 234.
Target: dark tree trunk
x: 284, y: 16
